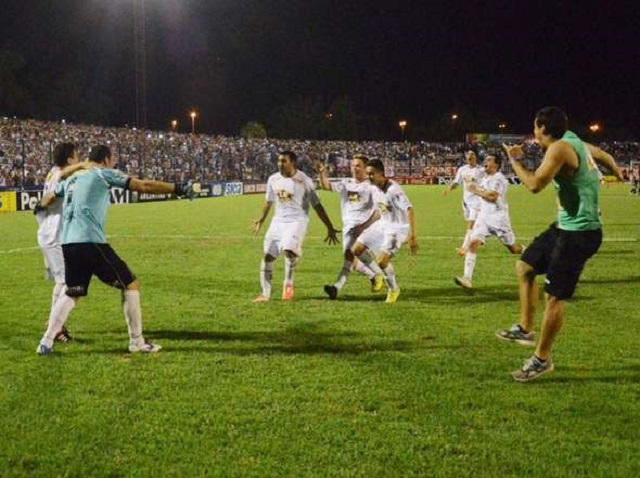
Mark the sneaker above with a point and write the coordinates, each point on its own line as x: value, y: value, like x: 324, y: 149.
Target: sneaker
x: 392, y: 296
x: 287, y: 292
x: 532, y: 369
x: 463, y: 282
x: 44, y: 350
x: 461, y: 251
x: 516, y: 334
x: 261, y: 298
x: 377, y: 283
x: 144, y: 347
x: 63, y: 335
x: 331, y: 291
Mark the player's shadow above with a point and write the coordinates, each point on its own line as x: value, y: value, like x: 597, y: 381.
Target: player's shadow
x: 625, y: 280
x: 299, y: 340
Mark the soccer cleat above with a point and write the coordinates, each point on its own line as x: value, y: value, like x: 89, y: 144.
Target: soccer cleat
x: 44, y: 350
x: 516, y: 334
x: 377, y: 283
x: 532, y: 369
x: 463, y: 282
x: 144, y: 347
x: 331, y: 291
x: 287, y: 292
x: 63, y: 335
x: 261, y: 298
x: 461, y: 251
x: 392, y: 296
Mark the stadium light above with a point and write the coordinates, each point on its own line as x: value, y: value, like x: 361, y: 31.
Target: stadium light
x: 193, y: 122
x: 454, y: 117
x: 174, y: 125
x: 594, y: 127
x: 403, y: 125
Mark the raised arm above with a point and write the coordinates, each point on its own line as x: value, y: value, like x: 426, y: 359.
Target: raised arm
x: 323, y: 180
x: 557, y: 155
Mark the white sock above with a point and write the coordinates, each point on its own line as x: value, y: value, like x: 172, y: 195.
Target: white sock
x: 344, y: 273
x: 366, y: 258
x: 361, y: 268
x: 58, y: 289
x: 469, y: 264
x: 390, y: 274
x: 266, y: 273
x: 133, y: 314
x: 57, y: 318
x: 467, y: 237
x: 289, y: 268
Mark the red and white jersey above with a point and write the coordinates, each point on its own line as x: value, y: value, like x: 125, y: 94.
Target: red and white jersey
x: 292, y: 196
x: 50, y: 220
x: 467, y: 175
x: 393, y: 204
x: 498, y: 183
x: 356, y: 200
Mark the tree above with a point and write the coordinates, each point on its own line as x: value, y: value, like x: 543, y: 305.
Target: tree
x: 253, y: 130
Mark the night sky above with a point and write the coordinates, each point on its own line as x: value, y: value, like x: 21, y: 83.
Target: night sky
x: 236, y: 60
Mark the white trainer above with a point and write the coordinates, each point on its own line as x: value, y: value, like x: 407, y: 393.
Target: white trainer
x: 144, y: 347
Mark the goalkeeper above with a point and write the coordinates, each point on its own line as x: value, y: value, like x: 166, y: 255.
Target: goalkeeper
x: 85, y: 248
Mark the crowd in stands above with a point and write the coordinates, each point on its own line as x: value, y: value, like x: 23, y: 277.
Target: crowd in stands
x: 26, y: 147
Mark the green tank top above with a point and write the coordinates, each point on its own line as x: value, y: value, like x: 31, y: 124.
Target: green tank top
x: 579, y: 208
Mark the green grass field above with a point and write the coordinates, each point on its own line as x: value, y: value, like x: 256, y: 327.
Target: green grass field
x: 353, y: 387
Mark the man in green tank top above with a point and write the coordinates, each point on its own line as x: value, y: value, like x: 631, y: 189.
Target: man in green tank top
x: 562, y: 250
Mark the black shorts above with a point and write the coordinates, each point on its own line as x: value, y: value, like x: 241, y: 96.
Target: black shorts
x: 561, y: 255
x: 82, y: 260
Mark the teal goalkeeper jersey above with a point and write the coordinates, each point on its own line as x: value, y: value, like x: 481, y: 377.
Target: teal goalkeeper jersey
x: 86, y: 199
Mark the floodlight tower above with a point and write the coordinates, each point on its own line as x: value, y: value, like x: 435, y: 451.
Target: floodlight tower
x: 140, y: 56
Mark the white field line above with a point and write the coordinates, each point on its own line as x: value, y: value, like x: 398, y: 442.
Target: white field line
x: 250, y: 237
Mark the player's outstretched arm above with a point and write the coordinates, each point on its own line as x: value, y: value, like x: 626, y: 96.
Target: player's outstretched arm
x: 74, y: 168
x: 151, y: 186
x: 555, y: 157
x: 257, y: 224
x: 332, y: 233
x: 605, y: 159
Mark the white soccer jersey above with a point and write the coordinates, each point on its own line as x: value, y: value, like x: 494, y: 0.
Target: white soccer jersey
x: 498, y: 183
x: 50, y: 221
x: 393, y: 204
x: 292, y: 196
x: 356, y: 200
x: 467, y: 175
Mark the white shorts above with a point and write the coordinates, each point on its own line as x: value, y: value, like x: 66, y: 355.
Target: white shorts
x: 372, y: 237
x: 470, y: 211
x: 55, y: 263
x: 285, y: 236
x: 494, y: 225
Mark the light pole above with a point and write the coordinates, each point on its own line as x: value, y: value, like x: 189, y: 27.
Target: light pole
x: 403, y: 125
x: 193, y: 122
x: 174, y: 125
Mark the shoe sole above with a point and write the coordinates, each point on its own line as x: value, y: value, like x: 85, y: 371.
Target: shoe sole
x: 524, y: 343
x: 529, y: 379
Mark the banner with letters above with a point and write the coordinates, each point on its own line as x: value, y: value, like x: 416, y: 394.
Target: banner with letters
x: 233, y: 188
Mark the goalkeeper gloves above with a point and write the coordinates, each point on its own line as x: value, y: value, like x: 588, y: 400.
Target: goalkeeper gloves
x: 38, y: 208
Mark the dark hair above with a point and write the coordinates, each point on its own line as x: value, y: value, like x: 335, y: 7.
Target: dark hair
x: 496, y: 159
x: 362, y: 158
x: 554, y: 120
x: 99, y: 154
x: 291, y: 155
x: 377, y: 165
x: 62, y: 152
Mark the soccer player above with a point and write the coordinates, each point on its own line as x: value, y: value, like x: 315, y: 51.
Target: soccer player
x: 562, y: 250
x: 293, y: 192
x: 358, y: 213
x: 50, y: 226
x: 470, y: 173
x: 85, y: 248
x: 493, y: 218
x: 397, y: 222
